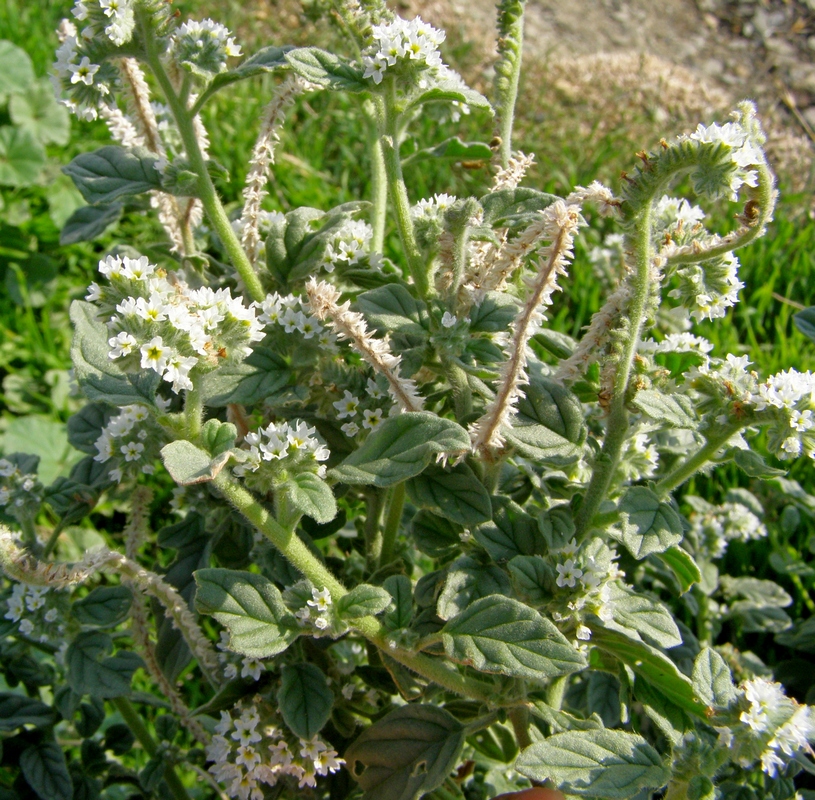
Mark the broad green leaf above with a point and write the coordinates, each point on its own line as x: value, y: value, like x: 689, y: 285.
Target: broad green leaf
x: 558, y: 344
x: 510, y: 207
x: 549, y: 426
x: 453, y: 149
x: 393, y: 309
x: 494, y: 313
x: 668, y: 410
x: 88, y: 222
x: 681, y: 563
x: 16, y: 69
x: 312, y: 496
x: 500, y: 635
x: 44, y: 767
x: 643, y: 616
x: 98, y: 376
x: 38, y: 112
x: 250, y: 607
x: 85, y: 427
x: 805, y: 322
x: 112, y: 172
x: 218, y: 437
x: 610, y: 764
x: 105, y: 606
x: 22, y: 157
x: 451, y: 91
x: 91, y: 670
x: 672, y: 720
x: 326, y: 70
x: 712, y: 680
x: 800, y: 637
x: 533, y: 578
x: 400, y: 590
x: 408, y: 752
x: 467, y: 581
x: 304, y: 699
x: 761, y: 592
x: 17, y: 710
x: 257, y: 377
x: 363, y: 600
x: 455, y: 493
x: 560, y: 721
x: 434, y: 535
x: 401, y: 447
x: 752, y: 464
x: 556, y: 526
x: 44, y: 437
x: 511, y: 533
x: 188, y: 464
x: 603, y: 697
x: 267, y: 59
x: 758, y: 618
x: 647, y: 525
x: 653, y: 666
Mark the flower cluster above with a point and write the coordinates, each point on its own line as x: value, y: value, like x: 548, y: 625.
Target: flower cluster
x: 20, y: 491
x: 317, y: 611
x: 39, y: 612
x: 203, y: 47
x: 248, y: 751
x: 131, y: 440
x: 433, y: 207
x: 245, y: 666
x: 790, y: 398
x: 400, y: 43
x: 708, y: 289
x: 771, y: 727
x: 677, y: 343
x: 348, y: 407
x: 281, y: 446
x: 716, y: 526
x: 640, y: 457
x: 169, y: 327
x: 292, y: 313
x: 350, y: 246
x: 114, y: 18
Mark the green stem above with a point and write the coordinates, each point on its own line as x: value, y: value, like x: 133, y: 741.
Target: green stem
x: 52, y: 539
x: 375, y: 502
x: 135, y: 723
x: 392, y: 520
x: 704, y: 629
x: 606, y: 461
x: 480, y: 723
x: 556, y: 691
x: 206, y: 189
x: 519, y: 718
x: 379, y: 192
x: 462, y: 393
x: 194, y: 412
x: 508, y: 71
x: 389, y: 139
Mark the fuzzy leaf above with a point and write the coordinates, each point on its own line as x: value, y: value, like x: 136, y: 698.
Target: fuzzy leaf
x: 805, y: 322
x: 511, y: 533
x: 681, y: 563
x: 500, y: 635
x: 98, y: 376
x: 85, y: 427
x: 494, y: 313
x: 17, y: 710
x: 363, y: 600
x: 38, y: 112
x: 112, y: 171
x: 467, y: 581
x: 267, y: 59
x: 610, y: 764
x: 304, y: 699
x: 22, y: 157
x: 312, y: 496
x: 326, y: 70
x: 92, y: 671
x: 451, y: 91
x: 401, y: 447
x: 408, y: 752
x: 507, y: 208
x: 670, y: 411
x: 218, y: 437
x: 188, y: 464
x: 640, y: 615
x: 88, y: 222
x: 434, y: 535
x: 453, y: 149
x: 393, y: 309
x: 250, y: 607
x: 259, y: 376
x: 754, y: 465
x: 533, y: 578
x: 647, y: 526
x: 44, y: 767
x: 105, y: 606
x: 16, y: 69
x: 400, y: 590
x: 455, y: 493
x: 712, y: 680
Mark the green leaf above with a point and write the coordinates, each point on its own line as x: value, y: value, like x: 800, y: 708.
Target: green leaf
x: 642, y: 616
x: 408, y: 752
x: 434, y: 535
x: 451, y: 91
x: 250, y: 607
x: 267, y: 59
x: 218, y: 437
x: 44, y: 437
x: 549, y: 426
x: 17, y: 710
x: 556, y: 526
x: 259, y: 376
x: 672, y: 720
x: 112, y: 171
x: 512, y: 207
x: 646, y: 525
x: 760, y: 592
x: 455, y: 493
x: 38, y: 112
x: 326, y: 70
x: 16, y: 69
x: 92, y: 671
x: 754, y: 465
x: 44, y: 767
x: 304, y: 699
x: 98, y: 377
x: 401, y: 447
x: 511, y: 533
x: 22, y: 157
x: 756, y: 618
x: 363, y: 600
x: 533, y: 578
x: 453, y: 149
x: 681, y: 563
x: 85, y: 427
x: 500, y: 635
x: 603, y: 698
x: 88, y: 222
x: 801, y: 637
x: 105, y: 606
x: 712, y: 680
x: 467, y: 581
x: 805, y: 322
x: 400, y: 590
x: 392, y: 308
x: 312, y: 496
x: 606, y: 763
x: 188, y: 464
x: 668, y: 410
x: 653, y: 666
x: 494, y: 313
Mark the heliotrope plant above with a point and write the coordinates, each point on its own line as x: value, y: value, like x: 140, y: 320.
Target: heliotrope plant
x: 426, y: 544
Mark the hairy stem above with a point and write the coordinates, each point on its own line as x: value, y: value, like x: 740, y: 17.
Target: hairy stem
x: 392, y: 520
x: 519, y: 718
x: 373, y: 529
x: 508, y: 71
x: 379, y: 178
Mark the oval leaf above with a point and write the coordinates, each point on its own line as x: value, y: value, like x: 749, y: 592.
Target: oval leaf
x: 112, y: 171
x: 304, y: 698
x: 46, y: 771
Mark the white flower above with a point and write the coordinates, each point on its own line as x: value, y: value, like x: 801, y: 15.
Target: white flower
x: 321, y: 600
x: 155, y: 355
x: 252, y: 668
x: 121, y: 345
x: 350, y: 428
x: 373, y: 418
x: 568, y: 574
x: 448, y: 320
x: 83, y: 72
x: 132, y: 451
x: 347, y: 407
